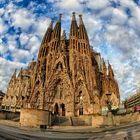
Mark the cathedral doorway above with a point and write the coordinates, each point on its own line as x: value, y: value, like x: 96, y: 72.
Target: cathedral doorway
x: 63, y: 109
x: 56, y: 109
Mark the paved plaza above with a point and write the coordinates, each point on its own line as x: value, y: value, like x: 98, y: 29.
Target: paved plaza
x: 11, y: 131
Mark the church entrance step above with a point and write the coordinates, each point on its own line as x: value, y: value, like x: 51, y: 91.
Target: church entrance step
x: 71, y: 121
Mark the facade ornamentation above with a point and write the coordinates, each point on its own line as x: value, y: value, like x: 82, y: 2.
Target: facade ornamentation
x: 68, y: 78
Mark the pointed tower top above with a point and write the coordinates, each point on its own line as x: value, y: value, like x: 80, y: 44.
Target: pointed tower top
x: 47, y: 36
x: 14, y: 74
x: 63, y: 37
x: 20, y: 73
x: 104, y: 67
x: 81, y: 20
x: 57, y: 29
x: 74, y: 27
x: 73, y: 16
x: 103, y: 60
x: 108, y: 62
x: 13, y: 78
x: 51, y: 24
x: 60, y: 16
x: 110, y: 71
x: 82, y: 30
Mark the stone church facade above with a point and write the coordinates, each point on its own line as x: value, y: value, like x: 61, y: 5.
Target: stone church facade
x: 68, y: 78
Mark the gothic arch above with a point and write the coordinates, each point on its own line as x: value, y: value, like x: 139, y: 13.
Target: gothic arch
x: 56, y: 81
x: 59, y: 66
x: 60, y: 60
x: 67, y: 90
x: 59, y: 77
x: 82, y: 98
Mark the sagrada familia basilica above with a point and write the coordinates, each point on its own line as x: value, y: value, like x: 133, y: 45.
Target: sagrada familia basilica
x: 68, y: 78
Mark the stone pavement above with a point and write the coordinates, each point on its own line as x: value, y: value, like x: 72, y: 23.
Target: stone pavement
x: 9, y: 123
x: 70, y: 129
x: 90, y: 129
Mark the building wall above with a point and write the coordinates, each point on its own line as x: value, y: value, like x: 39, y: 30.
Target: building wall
x: 110, y: 120
x: 19, y: 90
x: 34, y: 117
x: 133, y: 101
x: 71, y: 69
x: 1, y: 98
x: 4, y: 115
x: 68, y: 77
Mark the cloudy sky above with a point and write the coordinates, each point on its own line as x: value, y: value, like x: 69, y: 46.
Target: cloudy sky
x: 113, y: 27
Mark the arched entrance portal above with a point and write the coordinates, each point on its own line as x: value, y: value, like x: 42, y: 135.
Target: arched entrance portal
x: 63, y: 109
x: 56, y: 109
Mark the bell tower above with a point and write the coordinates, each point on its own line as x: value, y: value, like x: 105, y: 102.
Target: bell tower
x: 39, y: 72
x: 66, y: 79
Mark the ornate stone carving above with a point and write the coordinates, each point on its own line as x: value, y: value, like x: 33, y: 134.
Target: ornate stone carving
x: 68, y: 78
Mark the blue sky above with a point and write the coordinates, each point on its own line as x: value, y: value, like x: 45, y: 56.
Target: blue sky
x: 113, y: 27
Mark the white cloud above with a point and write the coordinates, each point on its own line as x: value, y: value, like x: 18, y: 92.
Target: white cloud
x: 3, y: 27
x: 41, y: 26
x: 118, y: 16
x: 98, y: 4
x: 34, y: 44
x: 2, y: 49
x: 111, y: 30
x: 68, y: 4
x: 18, y: 0
x: 24, y: 38
x: 21, y: 55
x: 22, y: 18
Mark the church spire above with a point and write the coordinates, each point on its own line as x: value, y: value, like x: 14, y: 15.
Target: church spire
x: 104, y: 69
x: 14, y: 74
x: 63, y: 37
x: 60, y: 16
x: 73, y: 16
x: 20, y: 73
x: 51, y: 24
x: 74, y: 27
x: 82, y: 30
x: 57, y: 29
x: 46, y: 39
x: 81, y: 20
x: 13, y: 78
x: 47, y: 36
x: 110, y: 71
